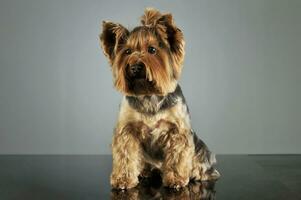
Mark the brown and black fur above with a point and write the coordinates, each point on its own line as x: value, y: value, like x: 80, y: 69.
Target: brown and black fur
x: 153, y: 130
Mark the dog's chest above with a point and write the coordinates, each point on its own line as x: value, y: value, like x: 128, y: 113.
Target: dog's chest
x: 153, y: 129
x: 176, y: 115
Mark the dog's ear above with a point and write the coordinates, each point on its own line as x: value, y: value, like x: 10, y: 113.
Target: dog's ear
x: 170, y: 33
x: 175, y: 39
x: 112, y: 37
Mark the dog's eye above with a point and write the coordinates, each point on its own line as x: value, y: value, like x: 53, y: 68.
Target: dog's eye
x: 152, y: 50
x: 128, y: 51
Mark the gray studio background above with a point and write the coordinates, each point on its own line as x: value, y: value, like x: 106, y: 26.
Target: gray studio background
x: 242, y: 74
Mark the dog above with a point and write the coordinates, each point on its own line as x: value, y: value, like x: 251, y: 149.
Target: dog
x: 153, y: 130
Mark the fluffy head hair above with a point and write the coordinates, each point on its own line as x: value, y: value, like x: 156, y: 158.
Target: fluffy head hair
x: 158, y: 44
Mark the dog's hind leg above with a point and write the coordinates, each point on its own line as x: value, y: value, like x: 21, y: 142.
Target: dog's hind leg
x: 203, y: 162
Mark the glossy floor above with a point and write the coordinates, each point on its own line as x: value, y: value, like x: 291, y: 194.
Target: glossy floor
x: 87, y: 177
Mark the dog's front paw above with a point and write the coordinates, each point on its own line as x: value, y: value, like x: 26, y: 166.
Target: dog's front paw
x: 123, y: 181
x: 172, y: 180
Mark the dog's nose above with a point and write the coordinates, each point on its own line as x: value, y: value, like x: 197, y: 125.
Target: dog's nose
x: 136, y: 68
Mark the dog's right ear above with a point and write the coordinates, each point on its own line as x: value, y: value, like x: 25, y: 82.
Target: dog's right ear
x: 112, y: 37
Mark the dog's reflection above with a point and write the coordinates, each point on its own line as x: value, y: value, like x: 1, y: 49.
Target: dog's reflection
x: 152, y: 189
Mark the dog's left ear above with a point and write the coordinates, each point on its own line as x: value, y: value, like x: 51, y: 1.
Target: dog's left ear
x: 170, y: 33
x: 112, y: 37
x: 175, y: 39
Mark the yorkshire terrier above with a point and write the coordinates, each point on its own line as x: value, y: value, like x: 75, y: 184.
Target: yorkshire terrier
x: 153, y: 129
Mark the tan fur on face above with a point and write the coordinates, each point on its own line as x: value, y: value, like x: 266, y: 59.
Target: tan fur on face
x: 158, y: 67
x: 157, y: 30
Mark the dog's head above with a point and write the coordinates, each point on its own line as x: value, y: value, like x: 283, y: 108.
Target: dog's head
x: 148, y: 59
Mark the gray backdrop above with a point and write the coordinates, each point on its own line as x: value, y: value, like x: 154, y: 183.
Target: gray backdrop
x: 241, y: 79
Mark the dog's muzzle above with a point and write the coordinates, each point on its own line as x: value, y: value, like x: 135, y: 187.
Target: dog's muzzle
x: 136, y: 71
